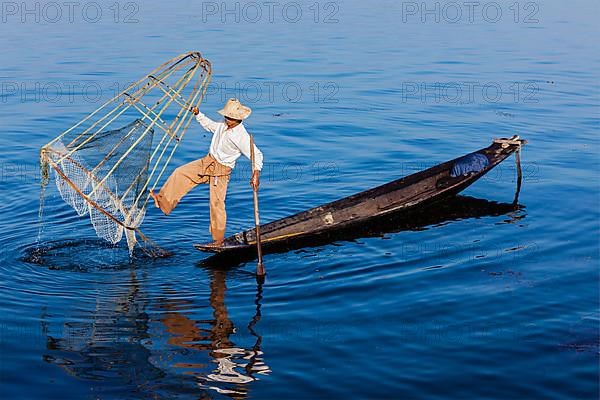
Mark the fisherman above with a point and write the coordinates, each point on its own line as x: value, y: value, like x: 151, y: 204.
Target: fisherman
x: 230, y: 140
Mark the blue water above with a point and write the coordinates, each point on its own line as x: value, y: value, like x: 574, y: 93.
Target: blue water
x: 490, y: 306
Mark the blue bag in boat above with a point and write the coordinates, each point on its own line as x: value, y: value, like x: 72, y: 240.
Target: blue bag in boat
x: 470, y: 163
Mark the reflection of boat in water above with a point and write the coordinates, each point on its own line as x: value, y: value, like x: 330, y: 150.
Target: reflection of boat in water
x: 451, y: 209
x: 130, y: 345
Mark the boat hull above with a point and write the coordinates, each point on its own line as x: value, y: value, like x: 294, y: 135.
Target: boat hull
x: 401, y: 196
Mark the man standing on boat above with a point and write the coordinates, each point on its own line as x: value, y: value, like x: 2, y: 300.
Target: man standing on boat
x: 230, y: 140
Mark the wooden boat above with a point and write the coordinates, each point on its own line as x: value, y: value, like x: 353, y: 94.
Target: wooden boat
x: 400, y: 196
x: 447, y: 210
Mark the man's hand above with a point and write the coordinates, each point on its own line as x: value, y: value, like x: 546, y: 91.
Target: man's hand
x: 195, y: 110
x: 255, y: 180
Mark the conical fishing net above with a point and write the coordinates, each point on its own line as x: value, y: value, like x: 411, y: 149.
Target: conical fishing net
x: 106, y: 165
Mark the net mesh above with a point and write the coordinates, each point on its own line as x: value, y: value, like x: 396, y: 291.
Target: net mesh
x: 106, y: 165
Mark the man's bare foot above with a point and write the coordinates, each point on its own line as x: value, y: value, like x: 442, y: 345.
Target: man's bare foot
x: 216, y: 243
x: 155, y: 198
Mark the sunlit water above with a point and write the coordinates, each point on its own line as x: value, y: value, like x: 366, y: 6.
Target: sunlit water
x: 481, y: 305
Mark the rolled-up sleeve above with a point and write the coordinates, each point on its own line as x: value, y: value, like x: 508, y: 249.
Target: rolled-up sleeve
x: 207, y: 123
x: 243, y: 144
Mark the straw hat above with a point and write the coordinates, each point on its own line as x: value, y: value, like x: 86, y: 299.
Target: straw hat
x: 234, y: 109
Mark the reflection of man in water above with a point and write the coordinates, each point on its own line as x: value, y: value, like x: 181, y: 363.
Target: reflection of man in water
x: 187, y: 333
x: 235, y: 365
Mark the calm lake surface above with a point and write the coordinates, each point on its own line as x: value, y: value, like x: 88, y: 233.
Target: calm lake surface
x: 346, y: 95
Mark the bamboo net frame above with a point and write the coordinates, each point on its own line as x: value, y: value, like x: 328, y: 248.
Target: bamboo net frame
x: 162, y: 100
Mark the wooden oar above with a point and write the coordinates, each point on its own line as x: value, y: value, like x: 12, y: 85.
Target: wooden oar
x: 260, y: 269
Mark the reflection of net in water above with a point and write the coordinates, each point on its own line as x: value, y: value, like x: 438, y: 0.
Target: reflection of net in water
x: 103, y: 345
x: 106, y: 164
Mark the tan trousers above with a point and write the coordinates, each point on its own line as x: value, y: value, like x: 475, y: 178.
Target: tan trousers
x: 188, y: 176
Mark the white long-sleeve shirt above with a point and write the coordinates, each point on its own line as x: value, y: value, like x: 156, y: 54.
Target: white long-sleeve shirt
x: 228, y: 144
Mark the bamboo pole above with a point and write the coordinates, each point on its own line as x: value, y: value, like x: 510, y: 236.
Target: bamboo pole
x: 260, y: 269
